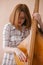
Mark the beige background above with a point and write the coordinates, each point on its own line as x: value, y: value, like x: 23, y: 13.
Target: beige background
x: 6, y: 6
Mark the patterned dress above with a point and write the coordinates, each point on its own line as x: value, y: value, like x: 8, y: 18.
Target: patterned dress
x: 11, y: 38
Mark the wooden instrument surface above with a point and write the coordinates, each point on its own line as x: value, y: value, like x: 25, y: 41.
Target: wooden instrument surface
x: 38, y: 51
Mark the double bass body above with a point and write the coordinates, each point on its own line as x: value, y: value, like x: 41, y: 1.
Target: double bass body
x: 38, y: 50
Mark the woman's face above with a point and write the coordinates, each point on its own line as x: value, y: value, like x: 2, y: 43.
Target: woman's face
x: 21, y: 19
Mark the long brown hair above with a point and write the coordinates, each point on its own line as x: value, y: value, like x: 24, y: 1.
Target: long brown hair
x: 17, y: 10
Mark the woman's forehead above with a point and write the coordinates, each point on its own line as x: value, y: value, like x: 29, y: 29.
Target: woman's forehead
x: 22, y: 14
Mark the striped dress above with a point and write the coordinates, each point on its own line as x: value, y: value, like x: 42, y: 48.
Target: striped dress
x: 11, y: 38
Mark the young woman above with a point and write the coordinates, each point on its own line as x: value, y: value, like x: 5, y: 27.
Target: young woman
x: 15, y: 31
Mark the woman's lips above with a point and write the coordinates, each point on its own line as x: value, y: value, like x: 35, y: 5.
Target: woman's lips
x: 19, y: 22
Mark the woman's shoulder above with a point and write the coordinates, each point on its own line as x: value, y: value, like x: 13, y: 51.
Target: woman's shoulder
x: 9, y: 26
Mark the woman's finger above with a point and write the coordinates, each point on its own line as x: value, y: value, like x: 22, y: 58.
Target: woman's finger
x: 21, y: 58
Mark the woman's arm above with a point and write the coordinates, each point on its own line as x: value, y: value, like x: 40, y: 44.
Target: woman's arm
x: 9, y: 49
x: 6, y: 40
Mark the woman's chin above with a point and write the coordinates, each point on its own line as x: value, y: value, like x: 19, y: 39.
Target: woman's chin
x: 19, y: 25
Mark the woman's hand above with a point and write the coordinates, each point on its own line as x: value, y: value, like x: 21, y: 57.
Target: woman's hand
x: 37, y: 17
x: 21, y: 55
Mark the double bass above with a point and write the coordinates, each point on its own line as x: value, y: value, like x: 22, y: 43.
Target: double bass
x: 33, y: 44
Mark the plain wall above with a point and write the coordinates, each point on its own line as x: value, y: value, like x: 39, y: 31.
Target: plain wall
x: 6, y: 6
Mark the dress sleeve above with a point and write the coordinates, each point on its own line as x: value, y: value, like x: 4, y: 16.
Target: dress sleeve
x: 6, y: 35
